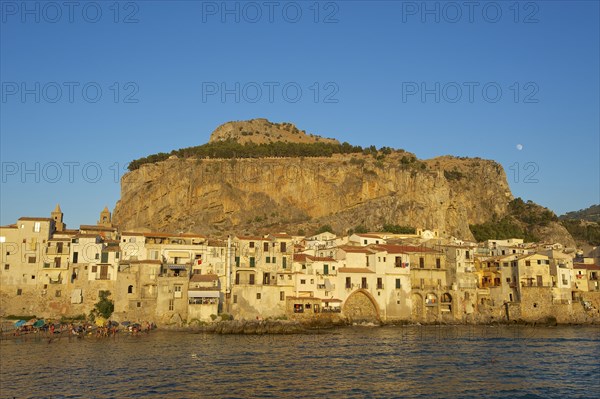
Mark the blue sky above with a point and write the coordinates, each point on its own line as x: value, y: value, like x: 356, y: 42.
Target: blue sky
x: 88, y: 89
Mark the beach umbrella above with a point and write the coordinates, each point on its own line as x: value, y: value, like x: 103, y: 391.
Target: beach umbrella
x: 29, y: 322
x: 125, y: 323
x: 113, y: 323
x: 19, y: 323
x: 100, y: 321
x: 39, y: 323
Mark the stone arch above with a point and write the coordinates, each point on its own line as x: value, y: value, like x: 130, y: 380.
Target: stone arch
x: 361, y: 306
x: 417, y: 306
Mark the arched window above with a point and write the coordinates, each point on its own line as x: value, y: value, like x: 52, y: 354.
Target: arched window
x: 130, y: 289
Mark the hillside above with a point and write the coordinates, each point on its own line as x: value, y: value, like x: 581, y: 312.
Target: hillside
x: 583, y: 225
x: 591, y: 214
x: 256, y: 186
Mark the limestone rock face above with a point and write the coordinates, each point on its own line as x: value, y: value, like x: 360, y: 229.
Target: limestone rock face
x: 218, y: 196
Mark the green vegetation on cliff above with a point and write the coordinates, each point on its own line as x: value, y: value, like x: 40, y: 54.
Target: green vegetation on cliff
x: 591, y: 214
x: 229, y: 149
x: 521, y: 219
x: 583, y: 231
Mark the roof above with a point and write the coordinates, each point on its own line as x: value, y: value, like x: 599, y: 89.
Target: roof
x: 353, y: 249
x: 281, y: 235
x: 28, y: 218
x: 305, y: 257
x: 178, y: 235
x: 131, y: 233
x: 86, y: 235
x: 203, y: 278
x: 355, y: 270
x: 251, y: 238
x: 586, y: 266
x: 369, y: 235
x: 95, y: 227
x: 406, y: 249
x: 204, y: 289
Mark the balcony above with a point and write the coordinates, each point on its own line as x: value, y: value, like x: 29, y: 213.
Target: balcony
x: 107, y: 277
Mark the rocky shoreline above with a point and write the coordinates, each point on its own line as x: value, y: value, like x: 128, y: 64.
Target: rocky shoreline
x: 258, y: 327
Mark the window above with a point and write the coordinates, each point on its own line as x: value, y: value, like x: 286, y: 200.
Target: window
x: 527, y: 263
x: 505, y: 264
x: 438, y: 263
x: 348, y: 282
x: 266, y: 247
x: 130, y: 289
x: 171, y: 304
x: 97, y: 256
x: 379, y: 283
x: 384, y: 259
x: 281, y: 295
x: 32, y: 277
x: 302, y: 281
x: 36, y: 227
x: 139, y: 304
x: 19, y: 291
x: 252, y: 261
x: 258, y: 295
x: 274, y: 259
x: 268, y: 259
x: 421, y: 262
x: 312, y: 280
x: 251, y: 279
x: 539, y: 262
x: 94, y: 269
x: 6, y: 266
x: 398, y: 286
x: 251, y: 244
x: 57, y: 293
x: 31, y: 259
x: 363, y: 283
x: 282, y: 247
x: 365, y: 241
x: 237, y: 261
x: 235, y: 299
x: 284, y: 262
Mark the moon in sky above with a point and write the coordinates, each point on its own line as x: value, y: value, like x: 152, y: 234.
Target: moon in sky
x: 519, y: 147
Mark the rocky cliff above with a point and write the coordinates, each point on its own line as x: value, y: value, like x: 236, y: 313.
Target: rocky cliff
x: 261, y: 131
x: 290, y: 194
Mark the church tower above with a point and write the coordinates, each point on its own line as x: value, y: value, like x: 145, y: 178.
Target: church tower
x: 57, y: 216
x: 105, y: 218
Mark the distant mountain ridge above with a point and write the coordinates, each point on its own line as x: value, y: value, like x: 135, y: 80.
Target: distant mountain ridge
x: 590, y: 214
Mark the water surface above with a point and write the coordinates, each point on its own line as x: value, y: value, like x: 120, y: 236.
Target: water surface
x: 356, y: 362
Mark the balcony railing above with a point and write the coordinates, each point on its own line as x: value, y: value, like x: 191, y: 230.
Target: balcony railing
x: 107, y: 277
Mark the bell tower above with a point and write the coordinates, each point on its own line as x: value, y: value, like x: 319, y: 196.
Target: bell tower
x: 105, y: 218
x: 57, y: 216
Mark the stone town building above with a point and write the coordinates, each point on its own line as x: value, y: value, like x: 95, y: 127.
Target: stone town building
x: 179, y: 278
